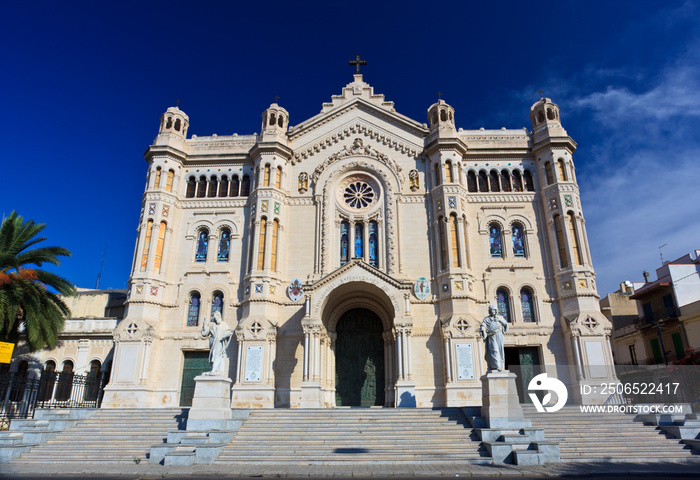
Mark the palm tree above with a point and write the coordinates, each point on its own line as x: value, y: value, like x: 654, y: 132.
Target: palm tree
x: 29, y: 297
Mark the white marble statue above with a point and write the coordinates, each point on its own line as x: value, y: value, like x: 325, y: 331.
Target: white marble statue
x: 491, y: 330
x: 219, y: 334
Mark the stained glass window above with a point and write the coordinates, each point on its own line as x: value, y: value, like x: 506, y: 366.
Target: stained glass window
x: 503, y: 303
x: 193, y: 310
x: 562, y: 170
x: 443, y: 243
x: 373, y: 244
x: 358, y: 195
x: 517, y: 237
x: 267, y: 176
x: 159, y: 247
x: 561, y: 246
x: 527, y: 305
x: 448, y: 172
x: 261, y: 243
x: 495, y: 241
x: 202, y: 244
x: 169, y: 181
x: 217, y: 304
x: 278, y: 178
x: 574, y: 239
x: 224, y: 245
x: 454, y: 243
x: 550, y: 174
x: 146, y: 245
x: 156, y: 183
x: 358, y: 240
x: 344, y: 232
x: 273, y: 246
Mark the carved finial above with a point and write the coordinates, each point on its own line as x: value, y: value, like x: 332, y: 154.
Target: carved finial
x: 357, y: 62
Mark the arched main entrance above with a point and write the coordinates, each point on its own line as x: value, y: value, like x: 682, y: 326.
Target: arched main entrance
x: 359, y: 364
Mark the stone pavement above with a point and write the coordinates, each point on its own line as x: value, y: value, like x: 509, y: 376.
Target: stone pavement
x: 146, y: 471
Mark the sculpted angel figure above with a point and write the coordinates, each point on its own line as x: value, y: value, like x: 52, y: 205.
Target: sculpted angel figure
x: 219, y: 334
x: 491, y: 330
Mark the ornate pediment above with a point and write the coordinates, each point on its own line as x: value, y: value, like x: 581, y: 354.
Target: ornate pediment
x: 358, y: 148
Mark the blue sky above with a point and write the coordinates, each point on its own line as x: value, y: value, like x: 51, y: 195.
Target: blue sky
x: 84, y: 85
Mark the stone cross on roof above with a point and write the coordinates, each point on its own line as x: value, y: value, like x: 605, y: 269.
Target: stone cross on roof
x: 357, y: 62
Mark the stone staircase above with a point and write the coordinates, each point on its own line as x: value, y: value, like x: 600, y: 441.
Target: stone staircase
x: 607, y: 437
x: 354, y: 436
x: 108, y: 436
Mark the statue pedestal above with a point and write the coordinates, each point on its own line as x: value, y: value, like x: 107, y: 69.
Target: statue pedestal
x: 500, y: 403
x: 211, y: 405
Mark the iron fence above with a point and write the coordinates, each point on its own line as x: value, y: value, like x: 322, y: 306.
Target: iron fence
x: 20, y: 395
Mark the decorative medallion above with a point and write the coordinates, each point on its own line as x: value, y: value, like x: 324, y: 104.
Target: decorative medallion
x: 132, y: 329
x: 445, y: 287
x: 166, y: 210
x: 154, y: 291
x: 152, y: 209
x: 277, y: 208
x: 452, y: 202
x: 590, y: 323
x: 583, y: 283
x: 255, y: 328
x: 272, y: 289
x: 421, y: 289
x: 462, y: 325
x: 567, y: 285
x: 139, y: 289
x: 263, y: 206
x: 258, y: 288
x: 295, y: 290
x: 459, y: 286
x: 567, y: 201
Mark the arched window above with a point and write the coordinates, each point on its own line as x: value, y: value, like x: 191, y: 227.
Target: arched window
x: 495, y: 241
x: 573, y: 233
x: 483, y: 182
x: 437, y: 174
x: 224, y: 245
x: 146, y: 245
x: 561, y: 246
x: 217, y: 303
x: 344, y: 241
x: 278, y: 178
x: 245, y: 186
x: 505, y: 180
x: 273, y: 246
x: 159, y: 248
x: 202, y: 188
x: 471, y: 181
x: 93, y: 381
x: 359, y: 243
x: 177, y: 124
x: 223, y: 188
x: 518, y: 240
x: 527, y: 304
x: 443, y: 243
x: 169, y: 181
x: 267, y: 176
x: 191, y: 187
x: 48, y: 380
x: 202, y: 244
x: 280, y: 121
x: 517, y: 181
x: 503, y: 303
x: 454, y: 242
x: 494, y: 181
x: 373, y: 244
x: 549, y: 173
x: 261, y: 245
x: 529, y: 184
x: 562, y: 170
x: 193, y: 310
x: 235, y: 184
x: 65, y: 382
x: 213, y: 186
x: 169, y: 123
x: 448, y: 172
x: 156, y: 183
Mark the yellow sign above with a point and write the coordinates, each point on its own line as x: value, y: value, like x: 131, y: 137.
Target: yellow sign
x: 6, y: 351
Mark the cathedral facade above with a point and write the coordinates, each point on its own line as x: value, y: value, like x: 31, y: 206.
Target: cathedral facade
x: 354, y: 255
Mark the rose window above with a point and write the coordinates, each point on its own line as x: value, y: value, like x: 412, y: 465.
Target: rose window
x: 358, y: 195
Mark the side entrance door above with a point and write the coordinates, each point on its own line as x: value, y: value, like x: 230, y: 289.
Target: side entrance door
x: 196, y: 363
x: 525, y: 363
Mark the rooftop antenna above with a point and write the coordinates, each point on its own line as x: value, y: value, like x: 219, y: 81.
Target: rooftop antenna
x: 97, y: 284
x: 661, y: 255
